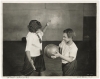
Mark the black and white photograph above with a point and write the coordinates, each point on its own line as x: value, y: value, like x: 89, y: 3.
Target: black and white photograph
x: 49, y: 39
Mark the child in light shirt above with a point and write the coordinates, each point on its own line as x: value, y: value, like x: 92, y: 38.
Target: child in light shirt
x: 34, y: 46
x: 68, y: 53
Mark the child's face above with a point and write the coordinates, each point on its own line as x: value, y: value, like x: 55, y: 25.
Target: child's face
x: 65, y: 38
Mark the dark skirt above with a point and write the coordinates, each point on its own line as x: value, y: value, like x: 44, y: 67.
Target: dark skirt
x: 39, y: 63
x: 70, y: 69
x: 27, y: 67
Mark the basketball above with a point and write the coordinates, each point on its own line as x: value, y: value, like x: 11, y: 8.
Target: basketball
x: 50, y: 50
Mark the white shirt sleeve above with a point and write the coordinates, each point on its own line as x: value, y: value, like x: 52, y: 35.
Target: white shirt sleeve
x: 40, y: 33
x: 29, y: 43
x: 73, y: 52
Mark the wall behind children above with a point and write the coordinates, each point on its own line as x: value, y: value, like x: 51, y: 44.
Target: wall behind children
x: 16, y: 17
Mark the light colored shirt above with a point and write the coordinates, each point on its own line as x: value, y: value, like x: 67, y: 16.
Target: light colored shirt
x: 33, y: 44
x: 68, y: 50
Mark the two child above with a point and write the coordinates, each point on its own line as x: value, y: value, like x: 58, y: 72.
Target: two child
x: 68, y: 49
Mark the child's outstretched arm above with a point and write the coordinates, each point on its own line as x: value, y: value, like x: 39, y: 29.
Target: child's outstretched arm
x: 47, y: 24
x: 67, y: 58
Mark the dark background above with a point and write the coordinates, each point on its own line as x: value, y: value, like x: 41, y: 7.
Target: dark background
x: 81, y: 17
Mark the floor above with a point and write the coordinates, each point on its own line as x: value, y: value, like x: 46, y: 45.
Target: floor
x: 13, y: 57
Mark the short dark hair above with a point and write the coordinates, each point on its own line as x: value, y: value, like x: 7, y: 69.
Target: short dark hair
x: 34, y: 25
x: 70, y: 33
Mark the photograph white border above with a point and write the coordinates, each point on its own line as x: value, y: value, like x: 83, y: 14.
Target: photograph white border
x: 49, y: 1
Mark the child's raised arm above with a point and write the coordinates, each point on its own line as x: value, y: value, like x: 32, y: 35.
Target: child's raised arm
x: 47, y: 24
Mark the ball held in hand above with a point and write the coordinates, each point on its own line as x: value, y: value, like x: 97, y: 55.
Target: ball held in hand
x: 51, y: 50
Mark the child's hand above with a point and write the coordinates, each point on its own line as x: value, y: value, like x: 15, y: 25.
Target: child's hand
x: 56, y: 55
x: 32, y: 63
x: 53, y: 57
x: 48, y: 23
x: 33, y: 67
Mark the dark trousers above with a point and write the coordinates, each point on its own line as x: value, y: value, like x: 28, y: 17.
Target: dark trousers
x: 70, y: 69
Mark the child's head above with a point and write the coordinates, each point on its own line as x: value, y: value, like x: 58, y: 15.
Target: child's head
x: 34, y: 25
x: 68, y: 34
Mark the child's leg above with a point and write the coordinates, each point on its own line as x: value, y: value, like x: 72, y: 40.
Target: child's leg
x: 39, y: 65
x: 70, y: 69
x: 42, y: 73
x: 63, y: 69
x: 39, y: 74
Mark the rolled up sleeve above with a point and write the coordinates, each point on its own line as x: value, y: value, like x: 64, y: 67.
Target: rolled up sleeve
x: 73, y: 52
